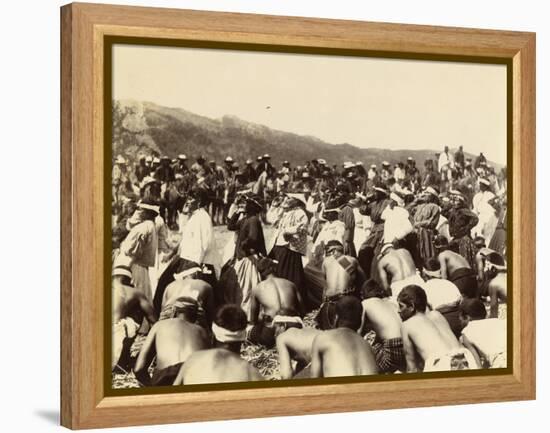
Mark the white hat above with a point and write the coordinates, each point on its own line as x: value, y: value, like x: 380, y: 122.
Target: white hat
x: 385, y: 163
x: 373, y: 166
x: 149, y: 159
x: 178, y: 176
x: 147, y: 180
x: 349, y: 164
x: 156, y: 161
x: 228, y: 159
x: 249, y: 161
x: 321, y: 161
x: 358, y: 163
x: 152, y: 207
x: 182, y: 156
x: 305, y: 174
x: 120, y: 160
x: 266, y: 155
x: 484, y: 181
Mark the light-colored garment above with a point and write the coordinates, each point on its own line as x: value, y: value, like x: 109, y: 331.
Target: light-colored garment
x: 141, y: 244
x: 362, y: 228
x: 488, y: 221
x: 124, y: 328
x: 442, y: 362
x: 396, y: 223
x: 397, y: 286
x: 445, y: 162
x: 248, y: 277
x: 441, y: 293
x: 490, y: 338
x: 332, y: 230
x: 293, y: 222
x: 197, y: 238
x: 443, y: 227
x: 399, y: 174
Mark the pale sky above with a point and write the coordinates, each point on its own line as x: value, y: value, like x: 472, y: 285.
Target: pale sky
x: 366, y: 102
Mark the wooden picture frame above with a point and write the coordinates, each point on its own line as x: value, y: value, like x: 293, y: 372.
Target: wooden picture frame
x: 84, y: 403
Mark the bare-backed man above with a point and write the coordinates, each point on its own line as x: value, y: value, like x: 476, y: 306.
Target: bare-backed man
x: 343, y: 277
x: 380, y: 314
x: 342, y: 351
x: 172, y: 341
x: 221, y: 364
x: 456, y: 268
x: 428, y: 340
x: 294, y: 343
x: 269, y: 297
x: 396, y: 269
x: 130, y: 306
x: 186, y: 285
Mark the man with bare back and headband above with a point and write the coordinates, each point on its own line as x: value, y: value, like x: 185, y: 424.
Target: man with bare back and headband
x: 223, y: 363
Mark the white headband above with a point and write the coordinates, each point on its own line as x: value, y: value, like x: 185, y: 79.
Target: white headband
x: 186, y: 273
x: 226, y: 336
x: 287, y: 319
x: 433, y: 274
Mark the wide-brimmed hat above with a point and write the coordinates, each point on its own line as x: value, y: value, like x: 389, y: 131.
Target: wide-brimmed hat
x: 120, y: 160
x: 182, y: 157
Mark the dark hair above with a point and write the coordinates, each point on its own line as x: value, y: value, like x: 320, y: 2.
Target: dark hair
x: 350, y: 311
x: 474, y: 308
x: 371, y: 289
x: 441, y: 241
x: 230, y: 317
x: 200, y: 196
x: 414, y: 296
x: 432, y: 264
x: 495, y: 259
x: 334, y: 243
x: 265, y: 267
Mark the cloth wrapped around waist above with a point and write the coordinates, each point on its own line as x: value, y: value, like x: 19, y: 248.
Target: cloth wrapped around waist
x: 124, y: 328
x: 166, y: 376
x: 455, y: 359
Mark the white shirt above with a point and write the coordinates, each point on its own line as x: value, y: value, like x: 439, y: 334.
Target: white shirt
x: 441, y: 292
x: 332, y: 230
x: 445, y: 159
x: 197, y: 238
x: 397, y: 224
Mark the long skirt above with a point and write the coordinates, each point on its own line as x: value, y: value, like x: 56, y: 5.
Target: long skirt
x: 425, y: 239
x: 498, y: 241
x: 237, y: 279
x: 289, y: 266
x: 370, y: 248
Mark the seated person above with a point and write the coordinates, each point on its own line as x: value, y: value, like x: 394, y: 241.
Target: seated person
x: 342, y: 351
x: 186, y: 285
x: 268, y: 297
x: 380, y: 315
x: 442, y: 295
x: 294, y: 344
x: 172, y: 341
x: 223, y: 363
x: 343, y: 276
x: 130, y: 306
x: 485, y: 338
x: 396, y: 269
x: 428, y: 340
x: 456, y: 268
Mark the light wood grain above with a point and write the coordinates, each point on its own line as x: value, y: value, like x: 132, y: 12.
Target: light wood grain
x: 83, y: 404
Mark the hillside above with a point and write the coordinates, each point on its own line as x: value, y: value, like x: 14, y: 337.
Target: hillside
x: 142, y: 127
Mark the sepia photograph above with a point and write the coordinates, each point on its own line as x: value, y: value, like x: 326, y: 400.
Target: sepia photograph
x: 290, y: 216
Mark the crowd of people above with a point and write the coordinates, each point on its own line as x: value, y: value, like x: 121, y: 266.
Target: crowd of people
x: 396, y: 268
